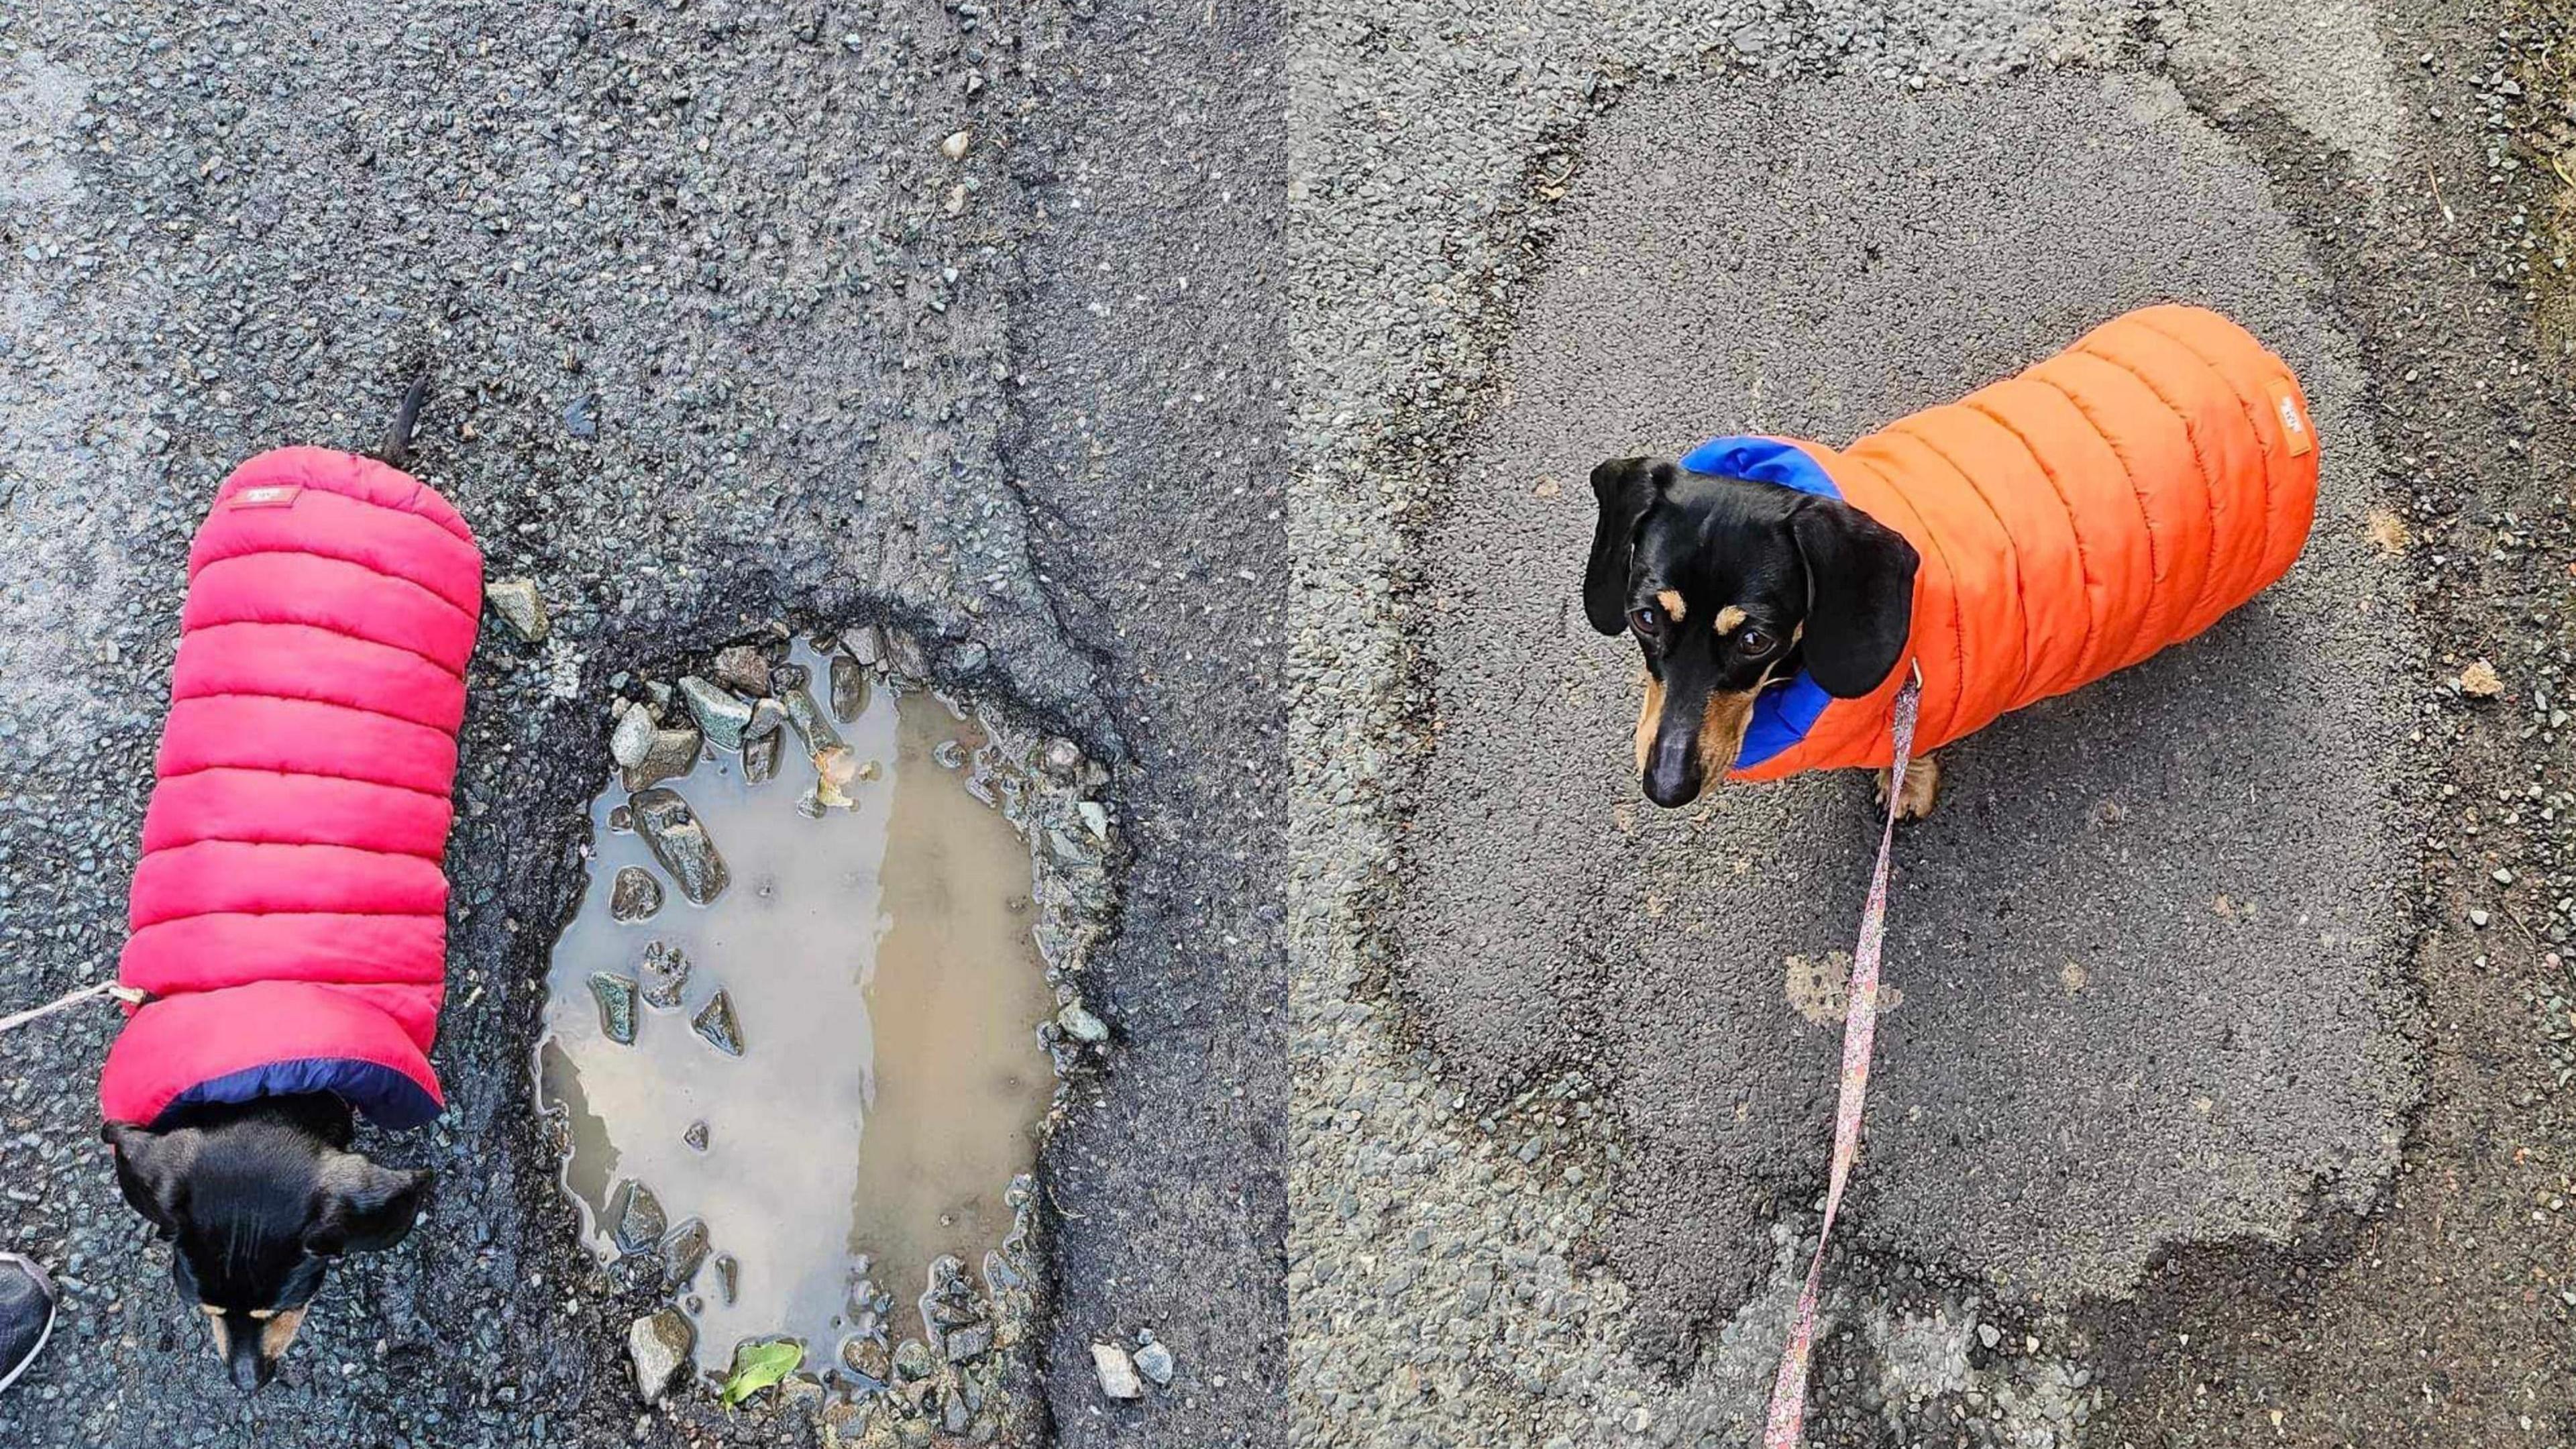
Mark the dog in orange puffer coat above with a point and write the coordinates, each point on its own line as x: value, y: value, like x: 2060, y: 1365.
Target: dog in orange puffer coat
x: 2028, y: 539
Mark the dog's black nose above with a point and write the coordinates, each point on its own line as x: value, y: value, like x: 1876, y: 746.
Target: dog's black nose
x: 1672, y: 766
x: 1672, y: 783
x: 251, y: 1372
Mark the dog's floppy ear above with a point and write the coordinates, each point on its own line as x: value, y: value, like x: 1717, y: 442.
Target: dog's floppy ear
x: 152, y: 1170
x: 1624, y: 488
x: 363, y: 1207
x: 1860, y: 595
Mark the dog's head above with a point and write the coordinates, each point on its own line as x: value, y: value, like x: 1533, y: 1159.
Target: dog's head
x: 1730, y: 585
x: 258, y: 1200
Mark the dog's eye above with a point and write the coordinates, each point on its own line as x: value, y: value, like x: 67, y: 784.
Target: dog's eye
x: 1646, y: 621
x: 1753, y: 641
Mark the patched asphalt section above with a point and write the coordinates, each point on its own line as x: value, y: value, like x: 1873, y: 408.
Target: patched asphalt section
x: 1449, y: 1270
x: 720, y: 333
x: 2148, y: 947
x: 1148, y: 441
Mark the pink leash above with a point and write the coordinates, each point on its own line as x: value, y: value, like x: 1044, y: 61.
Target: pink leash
x: 1860, y: 1030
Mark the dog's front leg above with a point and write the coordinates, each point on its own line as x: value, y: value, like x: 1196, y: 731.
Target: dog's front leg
x: 1922, y: 786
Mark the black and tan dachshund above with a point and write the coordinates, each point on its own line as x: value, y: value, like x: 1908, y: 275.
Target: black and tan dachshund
x: 1731, y: 585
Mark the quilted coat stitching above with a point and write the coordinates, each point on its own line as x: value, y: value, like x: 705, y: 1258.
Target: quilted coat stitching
x: 355, y: 557
x: 2253, y: 418
x: 313, y: 775
x: 322, y: 703
x: 2012, y: 548
x: 406, y: 581
x: 428, y: 855
x: 181, y: 694
x: 2210, y: 482
x: 1958, y: 625
x: 2159, y: 549
x: 441, y: 665
x: 2094, y: 580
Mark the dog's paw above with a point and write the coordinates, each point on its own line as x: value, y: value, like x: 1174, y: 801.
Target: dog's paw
x: 1922, y: 788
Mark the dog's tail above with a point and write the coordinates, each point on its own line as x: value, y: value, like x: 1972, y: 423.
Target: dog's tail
x: 397, y: 443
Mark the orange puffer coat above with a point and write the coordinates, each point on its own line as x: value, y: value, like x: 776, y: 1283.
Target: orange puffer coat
x: 2072, y: 520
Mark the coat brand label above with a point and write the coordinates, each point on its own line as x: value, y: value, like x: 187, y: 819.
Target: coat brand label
x: 2294, y: 424
x: 269, y: 495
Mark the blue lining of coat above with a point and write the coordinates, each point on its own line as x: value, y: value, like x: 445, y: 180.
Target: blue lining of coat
x: 389, y: 1099
x: 1785, y: 712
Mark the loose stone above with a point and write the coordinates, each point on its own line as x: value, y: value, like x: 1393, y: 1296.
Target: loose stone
x: 1063, y: 758
x: 638, y: 1215
x: 664, y: 975
x: 849, y: 688
x: 722, y: 715
x: 744, y: 669
x: 616, y: 996
x: 634, y: 896
x: 967, y: 1344
x: 520, y: 607
x: 715, y: 1021
x: 632, y: 739
x: 905, y: 653
x: 869, y: 1359
x: 680, y: 842
x: 660, y: 1344
x: 1117, y: 1372
x: 683, y: 1253
x: 789, y: 681
x: 761, y: 754
x: 673, y: 753
x: 1081, y: 1025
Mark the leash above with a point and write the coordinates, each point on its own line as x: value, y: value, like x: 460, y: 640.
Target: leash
x: 1860, y: 1030
x: 127, y: 994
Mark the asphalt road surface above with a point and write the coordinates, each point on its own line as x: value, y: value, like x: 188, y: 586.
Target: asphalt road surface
x: 2150, y: 954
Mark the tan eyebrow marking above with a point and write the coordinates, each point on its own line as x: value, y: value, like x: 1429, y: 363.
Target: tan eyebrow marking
x: 1730, y: 619
x: 280, y: 1331
x: 1671, y: 599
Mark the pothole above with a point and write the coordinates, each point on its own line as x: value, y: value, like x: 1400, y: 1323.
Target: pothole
x: 798, y: 1035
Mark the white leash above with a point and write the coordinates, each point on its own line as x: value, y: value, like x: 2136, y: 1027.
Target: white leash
x: 1860, y: 1030
x: 127, y: 994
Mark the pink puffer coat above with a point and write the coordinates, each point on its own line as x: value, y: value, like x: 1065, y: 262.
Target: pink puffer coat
x: 289, y: 914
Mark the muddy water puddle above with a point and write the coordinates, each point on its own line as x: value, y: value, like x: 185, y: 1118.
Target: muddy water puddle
x: 805, y: 1077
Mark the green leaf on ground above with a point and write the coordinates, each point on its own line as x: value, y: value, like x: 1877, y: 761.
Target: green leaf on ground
x: 758, y: 1365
